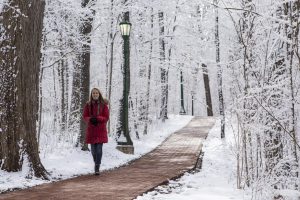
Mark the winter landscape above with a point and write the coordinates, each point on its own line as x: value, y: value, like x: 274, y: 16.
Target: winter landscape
x: 157, y: 64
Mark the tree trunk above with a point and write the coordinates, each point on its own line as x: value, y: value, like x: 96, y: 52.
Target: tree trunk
x: 292, y: 31
x: 85, y: 69
x: 246, y: 23
x: 75, y: 115
x: 40, y: 110
x: 207, y: 91
x: 20, y: 66
x: 62, y: 89
x: 220, y: 90
x: 163, y: 73
x: 112, y: 39
x: 149, y: 80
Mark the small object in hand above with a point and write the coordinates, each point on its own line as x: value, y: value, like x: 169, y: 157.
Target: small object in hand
x: 94, y: 121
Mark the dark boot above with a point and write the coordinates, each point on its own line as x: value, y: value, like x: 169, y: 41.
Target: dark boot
x: 97, y: 172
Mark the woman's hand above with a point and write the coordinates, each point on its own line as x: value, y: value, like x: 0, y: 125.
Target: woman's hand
x: 94, y: 121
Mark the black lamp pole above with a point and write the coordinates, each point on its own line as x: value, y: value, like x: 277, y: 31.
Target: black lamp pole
x: 124, y: 128
x: 182, y: 110
x: 192, y: 105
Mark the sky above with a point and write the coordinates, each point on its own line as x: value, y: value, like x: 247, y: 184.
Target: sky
x: 215, y: 181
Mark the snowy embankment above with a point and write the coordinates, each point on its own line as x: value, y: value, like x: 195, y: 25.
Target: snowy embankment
x: 65, y: 162
x: 215, y: 181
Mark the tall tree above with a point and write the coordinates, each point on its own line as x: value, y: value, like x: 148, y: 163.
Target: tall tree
x: 111, y: 60
x: 201, y: 11
x: 246, y: 23
x: 22, y: 23
x: 207, y: 91
x: 292, y: 33
x: 84, y: 68
x: 220, y: 85
x: 267, y: 98
x: 149, y: 73
x: 164, y: 73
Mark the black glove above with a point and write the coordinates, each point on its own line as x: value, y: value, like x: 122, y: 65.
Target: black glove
x: 94, y: 121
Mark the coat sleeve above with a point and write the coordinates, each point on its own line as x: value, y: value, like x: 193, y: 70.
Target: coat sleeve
x: 86, y: 113
x: 104, y: 116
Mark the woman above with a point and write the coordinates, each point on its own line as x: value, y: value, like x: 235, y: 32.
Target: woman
x: 96, y: 114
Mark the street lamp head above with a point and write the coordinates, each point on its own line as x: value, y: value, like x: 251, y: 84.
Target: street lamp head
x: 125, y: 28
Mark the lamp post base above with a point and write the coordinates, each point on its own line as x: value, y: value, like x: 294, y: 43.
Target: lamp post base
x: 182, y: 111
x: 126, y: 148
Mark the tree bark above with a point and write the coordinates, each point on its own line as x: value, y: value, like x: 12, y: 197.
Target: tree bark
x: 63, y: 97
x: 110, y: 74
x: 19, y: 71
x: 85, y: 69
x: 220, y: 90
x: 149, y: 80
x: 163, y: 73
x: 207, y: 91
x: 292, y: 31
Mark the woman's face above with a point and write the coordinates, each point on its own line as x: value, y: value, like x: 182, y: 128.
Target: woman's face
x: 95, y: 94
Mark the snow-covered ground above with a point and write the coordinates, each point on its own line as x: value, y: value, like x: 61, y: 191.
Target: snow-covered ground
x: 68, y: 162
x: 215, y: 181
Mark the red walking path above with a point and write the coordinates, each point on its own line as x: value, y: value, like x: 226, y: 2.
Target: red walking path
x: 176, y: 155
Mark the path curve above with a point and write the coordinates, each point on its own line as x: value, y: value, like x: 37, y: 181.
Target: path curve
x: 176, y: 155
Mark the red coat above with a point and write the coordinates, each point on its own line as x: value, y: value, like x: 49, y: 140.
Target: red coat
x: 98, y: 133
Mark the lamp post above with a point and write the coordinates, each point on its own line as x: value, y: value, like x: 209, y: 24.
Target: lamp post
x: 192, y: 104
x: 182, y: 110
x: 127, y: 146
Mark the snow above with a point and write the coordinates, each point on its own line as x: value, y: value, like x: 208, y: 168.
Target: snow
x: 216, y: 179
x: 1, y: 5
x: 63, y: 163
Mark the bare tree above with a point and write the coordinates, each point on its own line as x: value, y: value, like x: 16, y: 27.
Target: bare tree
x: 207, y: 91
x: 149, y: 73
x: 291, y: 10
x: 111, y: 60
x: 220, y: 85
x: 164, y: 73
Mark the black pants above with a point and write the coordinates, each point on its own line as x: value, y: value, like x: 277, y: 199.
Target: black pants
x: 97, y: 152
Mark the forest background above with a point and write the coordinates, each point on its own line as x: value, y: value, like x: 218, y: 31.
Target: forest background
x: 52, y: 52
